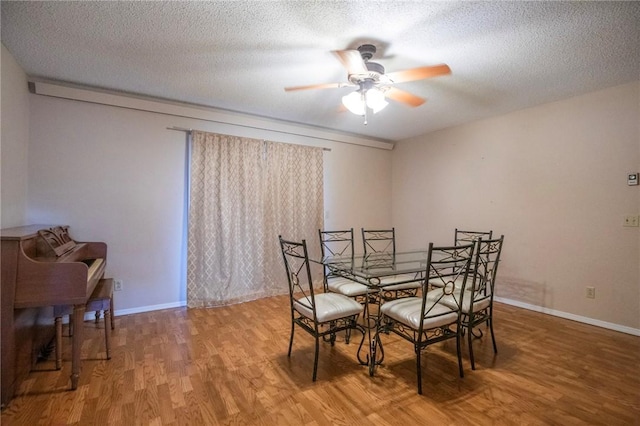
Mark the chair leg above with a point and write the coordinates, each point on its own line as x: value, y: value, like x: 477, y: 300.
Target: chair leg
x: 332, y: 335
x: 293, y: 325
x: 459, y: 349
x: 107, y: 332
x: 493, y: 337
x: 58, y: 323
x: 419, y: 368
x: 97, y: 313
x: 315, y: 360
x: 470, y: 343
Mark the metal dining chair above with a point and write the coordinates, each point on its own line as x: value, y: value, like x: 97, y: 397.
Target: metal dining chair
x: 340, y: 244
x: 477, y: 298
x: 380, y: 244
x: 423, y: 321
x: 320, y: 315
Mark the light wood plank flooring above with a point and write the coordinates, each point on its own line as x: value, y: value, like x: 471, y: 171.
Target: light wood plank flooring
x: 229, y: 366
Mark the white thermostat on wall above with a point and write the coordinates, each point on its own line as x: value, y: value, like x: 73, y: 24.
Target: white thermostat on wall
x: 632, y: 179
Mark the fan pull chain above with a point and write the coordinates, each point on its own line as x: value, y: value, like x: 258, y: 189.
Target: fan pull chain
x: 364, y: 103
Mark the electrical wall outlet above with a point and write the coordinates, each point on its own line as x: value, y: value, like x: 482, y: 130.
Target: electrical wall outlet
x: 591, y: 293
x: 117, y: 285
x: 630, y: 220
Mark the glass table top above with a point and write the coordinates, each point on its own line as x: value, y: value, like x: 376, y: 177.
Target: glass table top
x: 378, y: 264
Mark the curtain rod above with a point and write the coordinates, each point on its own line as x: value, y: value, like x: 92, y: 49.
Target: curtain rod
x: 183, y: 129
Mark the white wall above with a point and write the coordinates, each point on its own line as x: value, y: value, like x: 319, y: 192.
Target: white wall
x: 118, y: 175
x: 357, y: 189
x: 552, y: 179
x: 14, y: 145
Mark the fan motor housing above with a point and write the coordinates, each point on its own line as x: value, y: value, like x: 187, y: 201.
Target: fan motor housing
x: 367, y: 51
x: 374, y: 75
x: 375, y: 67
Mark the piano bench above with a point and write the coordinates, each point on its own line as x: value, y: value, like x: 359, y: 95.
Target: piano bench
x: 100, y: 300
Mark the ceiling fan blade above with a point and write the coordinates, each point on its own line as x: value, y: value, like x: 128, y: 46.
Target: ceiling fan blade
x: 315, y: 86
x: 404, y: 97
x: 419, y: 73
x: 352, y: 61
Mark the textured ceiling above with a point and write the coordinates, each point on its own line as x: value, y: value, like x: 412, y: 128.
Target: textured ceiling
x: 239, y: 55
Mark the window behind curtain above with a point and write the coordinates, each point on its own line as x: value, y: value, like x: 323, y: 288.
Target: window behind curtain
x: 243, y: 194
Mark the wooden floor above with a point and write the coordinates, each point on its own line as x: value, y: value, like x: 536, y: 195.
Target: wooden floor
x: 229, y: 366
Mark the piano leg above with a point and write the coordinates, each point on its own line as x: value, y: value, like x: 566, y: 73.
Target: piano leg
x: 78, y: 332
x: 58, y: 323
x: 107, y: 331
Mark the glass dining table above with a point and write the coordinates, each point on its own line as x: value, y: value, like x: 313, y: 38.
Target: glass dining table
x: 379, y: 272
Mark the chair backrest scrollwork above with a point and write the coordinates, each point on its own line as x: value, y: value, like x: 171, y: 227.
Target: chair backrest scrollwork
x: 296, y: 262
x: 448, y: 267
x: 336, y: 243
x: 484, y: 279
x: 379, y: 241
x: 461, y: 237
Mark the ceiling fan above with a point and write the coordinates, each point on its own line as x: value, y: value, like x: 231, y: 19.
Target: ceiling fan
x: 373, y: 85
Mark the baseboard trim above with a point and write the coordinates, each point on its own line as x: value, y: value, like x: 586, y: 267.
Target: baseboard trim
x: 88, y: 316
x: 150, y: 308
x: 573, y: 317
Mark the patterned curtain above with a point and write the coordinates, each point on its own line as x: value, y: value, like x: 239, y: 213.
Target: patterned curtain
x: 243, y: 194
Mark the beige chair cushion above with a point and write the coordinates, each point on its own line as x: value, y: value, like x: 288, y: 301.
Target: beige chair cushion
x: 388, y: 283
x: 329, y: 306
x: 407, y: 311
x: 449, y: 301
x: 346, y: 286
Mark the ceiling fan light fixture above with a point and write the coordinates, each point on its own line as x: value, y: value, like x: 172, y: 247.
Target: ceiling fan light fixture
x: 375, y: 100
x: 354, y: 102
x: 357, y: 102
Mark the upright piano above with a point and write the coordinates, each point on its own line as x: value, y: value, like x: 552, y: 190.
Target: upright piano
x: 42, y: 267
